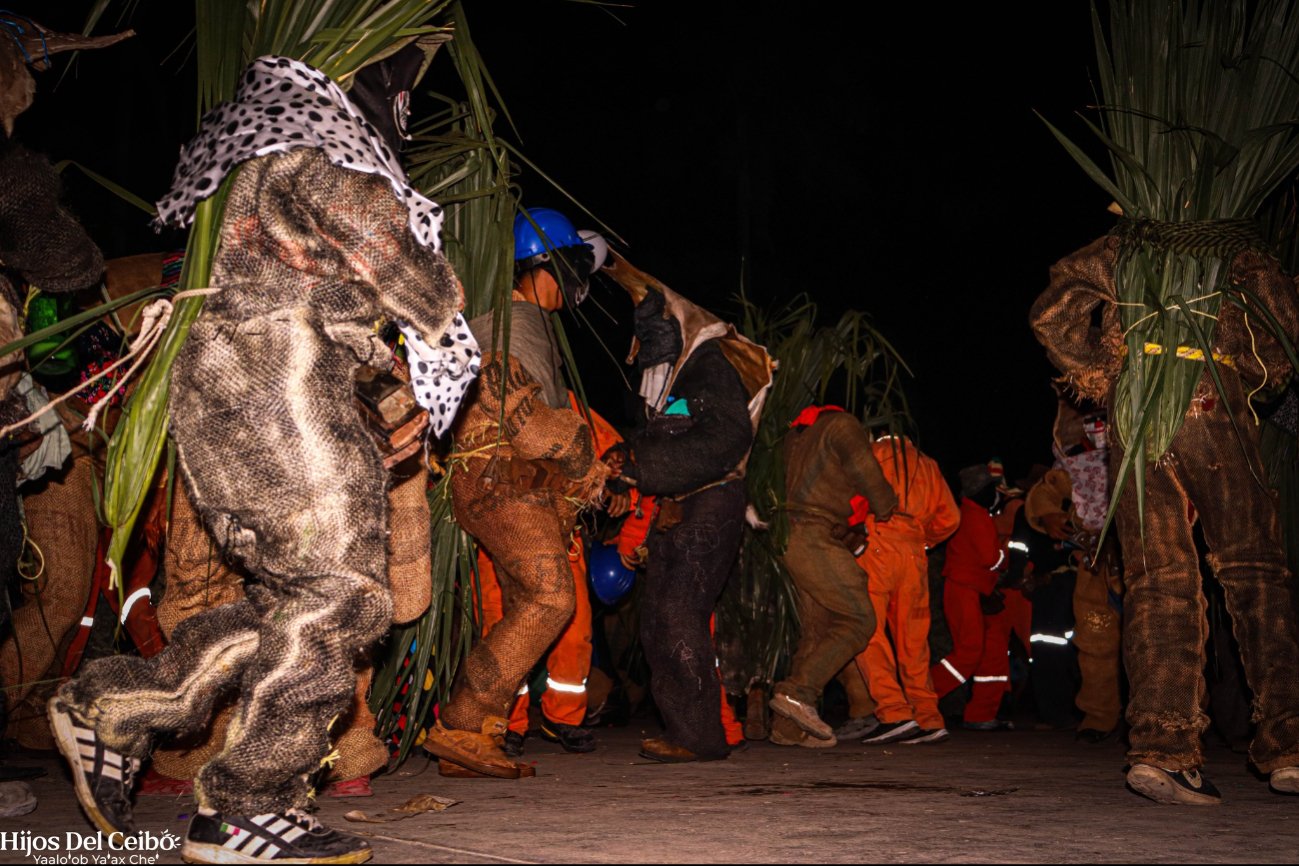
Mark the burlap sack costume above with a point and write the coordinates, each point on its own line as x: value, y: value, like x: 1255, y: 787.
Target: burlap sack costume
x: 1215, y: 468
x: 198, y: 580
x: 282, y: 470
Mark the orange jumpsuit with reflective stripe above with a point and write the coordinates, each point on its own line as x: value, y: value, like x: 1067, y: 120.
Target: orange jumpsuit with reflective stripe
x: 975, y: 558
x: 897, y: 672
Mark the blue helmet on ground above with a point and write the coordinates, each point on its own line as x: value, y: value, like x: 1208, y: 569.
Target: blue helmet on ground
x: 610, y: 579
x: 555, y: 233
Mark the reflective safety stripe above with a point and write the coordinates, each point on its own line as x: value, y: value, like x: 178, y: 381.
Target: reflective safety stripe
x: 1021, y: 546
x: 565, y: 687
x: 1055, y: 640
x: 992, y: 679
x: 1069, y: 635
x: 87, y: 621
x: 132, y: 599
x: 1001, y: 557
x: 951, y: 670
x: 524, y: 689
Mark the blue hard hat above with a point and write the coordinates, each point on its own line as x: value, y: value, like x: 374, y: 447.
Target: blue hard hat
x: 556, y: 232
x: 610, y: 579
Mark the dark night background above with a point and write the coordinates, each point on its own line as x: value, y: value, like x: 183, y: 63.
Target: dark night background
x: 880, y: 158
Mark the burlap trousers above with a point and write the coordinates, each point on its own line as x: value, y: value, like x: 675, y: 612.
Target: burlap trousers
x: 198, y: 580
x: 688, y: 566
x: 835, y: 613
x: 1164, y: 627
x: 526, y: 533
x: 1096, y: 637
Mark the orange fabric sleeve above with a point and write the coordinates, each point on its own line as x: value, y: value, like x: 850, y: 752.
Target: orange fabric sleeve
x: 941, y: 517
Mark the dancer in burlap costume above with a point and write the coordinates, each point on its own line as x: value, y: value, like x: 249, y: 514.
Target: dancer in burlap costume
x: 321, y: 238
x: 524, y: 465
x: 1213, y: 465
x: 704, y: 386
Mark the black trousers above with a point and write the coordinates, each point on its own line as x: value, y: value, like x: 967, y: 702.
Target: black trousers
x: 688, y: 566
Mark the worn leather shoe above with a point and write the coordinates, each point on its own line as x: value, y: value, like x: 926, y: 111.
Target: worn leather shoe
x: 806, y: 740
x: 455, y: 771
x: 659, y: 749
x: 801, y: 714
x: 480, y: 752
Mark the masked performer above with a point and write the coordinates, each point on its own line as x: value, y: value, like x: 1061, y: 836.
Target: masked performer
x: 704, y: 386
x: 525, y: 465
x: 1212, y: 468
x: 322, y: 236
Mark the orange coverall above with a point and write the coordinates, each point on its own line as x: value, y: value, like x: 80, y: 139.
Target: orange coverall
x: 897, y: 672
x: 975, y: 558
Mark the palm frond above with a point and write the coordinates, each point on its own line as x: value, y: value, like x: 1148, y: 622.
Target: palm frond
x: 849, y: 363
x: 1198, y: 116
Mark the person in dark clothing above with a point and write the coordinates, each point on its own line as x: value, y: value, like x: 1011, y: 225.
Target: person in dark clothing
x: 703, y: 386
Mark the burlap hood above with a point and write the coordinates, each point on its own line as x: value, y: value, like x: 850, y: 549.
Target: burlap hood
x: 698, y: 326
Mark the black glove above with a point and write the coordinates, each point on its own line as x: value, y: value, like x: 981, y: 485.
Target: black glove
x: 992, y: 604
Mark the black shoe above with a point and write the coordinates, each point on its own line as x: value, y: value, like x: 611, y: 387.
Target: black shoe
x: 995, y: 725
x: 1177, y: 787
x: 513, y: 745
x: 1093, y: 737
x: 102, y: 777
x: 286, y: 837
x: 925, y: 736
x: 893, y: 732
x: 571, y: 737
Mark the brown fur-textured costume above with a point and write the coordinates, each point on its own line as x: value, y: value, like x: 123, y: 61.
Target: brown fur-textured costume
x: 524, y: 525
x: 285, y: 475
x: 1208, y: 465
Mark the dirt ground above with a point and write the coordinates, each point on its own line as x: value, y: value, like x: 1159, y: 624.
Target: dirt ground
x: 1021, y: 796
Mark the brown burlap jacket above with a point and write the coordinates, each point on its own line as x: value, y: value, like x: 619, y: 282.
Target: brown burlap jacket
x: 311, y: 257
x: 1091, y: 357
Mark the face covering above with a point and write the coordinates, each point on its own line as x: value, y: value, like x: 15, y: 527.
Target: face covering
x: 660, y: 338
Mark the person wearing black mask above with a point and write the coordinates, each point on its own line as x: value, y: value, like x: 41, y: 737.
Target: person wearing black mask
x: 703, y: 386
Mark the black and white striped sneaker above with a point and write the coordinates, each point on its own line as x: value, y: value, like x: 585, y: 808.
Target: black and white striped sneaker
x: 283, y: 837
x: 103, y: 778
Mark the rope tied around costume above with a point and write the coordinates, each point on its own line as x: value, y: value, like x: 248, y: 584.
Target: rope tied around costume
x: 1222, y: 238
x: 154, y: 320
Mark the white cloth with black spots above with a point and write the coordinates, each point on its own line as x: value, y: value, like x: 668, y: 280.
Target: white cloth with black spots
x: 283, y: 104
x: 440, y: 373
